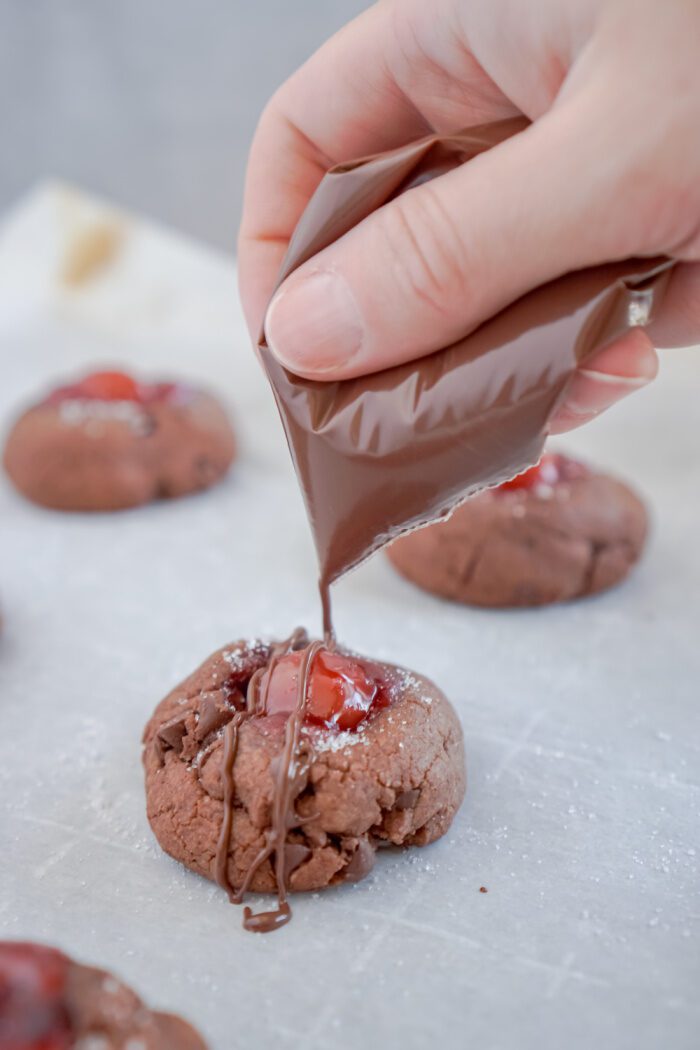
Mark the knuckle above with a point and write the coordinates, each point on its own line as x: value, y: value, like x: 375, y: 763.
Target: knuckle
x: 425, y: 248
x: 664, y: 209
x: 655, y: 194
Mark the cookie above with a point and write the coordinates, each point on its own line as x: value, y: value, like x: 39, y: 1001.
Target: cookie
x: 49, y: 1002
x: 559, y: 531
x: 279, y: 768
x: 109, y: 442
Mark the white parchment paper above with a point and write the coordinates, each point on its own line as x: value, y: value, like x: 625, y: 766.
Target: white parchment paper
x: 582, y: 722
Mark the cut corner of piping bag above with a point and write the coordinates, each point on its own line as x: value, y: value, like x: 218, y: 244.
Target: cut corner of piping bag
x: 645, y: 290
x: 658, y: 266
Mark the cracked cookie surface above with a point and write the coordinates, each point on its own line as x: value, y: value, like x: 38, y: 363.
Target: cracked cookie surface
x: 529, y: 546
x: 396, y: 780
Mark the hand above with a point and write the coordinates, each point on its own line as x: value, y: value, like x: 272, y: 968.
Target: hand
x: 609, y: 168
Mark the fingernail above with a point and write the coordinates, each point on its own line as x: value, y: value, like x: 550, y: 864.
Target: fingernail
x: 592, y: 392
x: 313, y: 323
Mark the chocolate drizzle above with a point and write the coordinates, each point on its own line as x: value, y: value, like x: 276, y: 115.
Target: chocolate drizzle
x: 227, y: 761
x: 324, y: 587
x: 288, y: 777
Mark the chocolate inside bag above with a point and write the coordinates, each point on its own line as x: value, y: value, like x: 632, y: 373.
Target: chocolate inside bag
x: 381, y: 454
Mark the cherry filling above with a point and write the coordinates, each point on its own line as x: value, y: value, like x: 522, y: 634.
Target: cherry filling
x: 341, y: 692
x: 551, y: 469
x: 33, y: 1015
x: 112, y: 386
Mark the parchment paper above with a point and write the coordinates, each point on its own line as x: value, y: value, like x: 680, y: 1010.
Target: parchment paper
x: 582, y: 722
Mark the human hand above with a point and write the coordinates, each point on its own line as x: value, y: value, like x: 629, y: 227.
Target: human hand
x: 610, y: 168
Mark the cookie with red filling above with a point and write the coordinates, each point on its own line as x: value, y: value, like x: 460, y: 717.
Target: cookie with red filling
x: 108, y: 442
x: 559, y: 531
x: 49, y: 1002
x: 284, y: 768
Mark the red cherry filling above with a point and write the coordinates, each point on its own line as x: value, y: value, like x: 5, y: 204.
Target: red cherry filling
x: 114, y: 386
x: 341, y: 693
x: 109, y: 386
x: 32, y: 1013
x: 551, y: 469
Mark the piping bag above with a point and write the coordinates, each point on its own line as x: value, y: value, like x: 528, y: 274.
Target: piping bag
x: 379, y: 455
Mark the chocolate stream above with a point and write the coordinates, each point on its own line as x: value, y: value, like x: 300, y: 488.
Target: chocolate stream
x: 285, y: 788
x: 227, y: 762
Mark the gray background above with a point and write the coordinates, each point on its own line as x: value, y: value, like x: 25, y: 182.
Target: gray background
x: 150, y: 102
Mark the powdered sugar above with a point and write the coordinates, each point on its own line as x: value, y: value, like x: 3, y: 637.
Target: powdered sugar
x: 325, y: 740
x: 409, y: 682
x: 111, y: 986
x: 92, y: 1042
x: 204, y: 752
x: 239, y: 658
x: 91, y: 414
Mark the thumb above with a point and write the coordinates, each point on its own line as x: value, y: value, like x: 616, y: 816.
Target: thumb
x: 432, y: 264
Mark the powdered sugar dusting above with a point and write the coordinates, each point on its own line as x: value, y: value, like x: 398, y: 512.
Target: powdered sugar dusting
x: 87, y: 412
x: 203, y: 752
x: 409, y: 682
x: 111, y: 986
x: 92, y: 1042
x: 324, y: 740
x: 239, y: 658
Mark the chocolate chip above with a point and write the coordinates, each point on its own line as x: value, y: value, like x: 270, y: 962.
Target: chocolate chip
x: 361, y: 862
x: 407, y: 799
x: 295, y: 854
x: 212, y: 716
x: 171, y: 734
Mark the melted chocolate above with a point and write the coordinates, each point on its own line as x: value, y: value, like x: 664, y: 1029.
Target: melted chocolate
x: 287, y: 784
x: 381, y: 454
x: 227, y: 761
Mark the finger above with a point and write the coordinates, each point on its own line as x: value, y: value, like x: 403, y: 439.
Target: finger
x: 678, y: 320
x: 325, y: 113
x: 431, y: 265
x: 622, y: 368
x: 631, y: 362
x: 381, y: 82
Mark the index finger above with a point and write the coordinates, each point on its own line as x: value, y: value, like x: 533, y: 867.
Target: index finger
x: 387, y: 78
x: 340, y: 104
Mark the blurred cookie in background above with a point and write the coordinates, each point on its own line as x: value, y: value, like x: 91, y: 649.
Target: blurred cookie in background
x: 110, y: 441
x: 559, y: 531
x: 49, y: 1002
